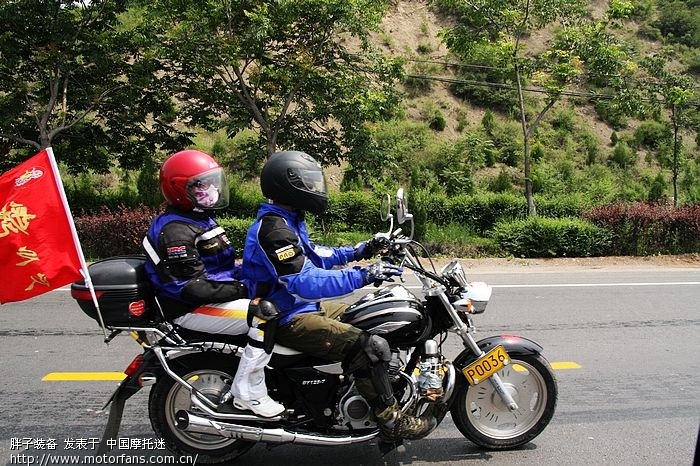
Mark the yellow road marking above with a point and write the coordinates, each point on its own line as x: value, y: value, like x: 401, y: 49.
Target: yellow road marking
x: 82, y: 376
x: 118, y: 376
x: 557, y: 366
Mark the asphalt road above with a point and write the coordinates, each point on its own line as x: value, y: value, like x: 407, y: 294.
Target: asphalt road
x: 635, y: 400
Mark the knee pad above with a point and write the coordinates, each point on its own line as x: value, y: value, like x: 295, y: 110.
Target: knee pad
x: 376, y: 348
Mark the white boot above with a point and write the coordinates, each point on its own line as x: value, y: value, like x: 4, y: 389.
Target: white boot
x: 248, y: 387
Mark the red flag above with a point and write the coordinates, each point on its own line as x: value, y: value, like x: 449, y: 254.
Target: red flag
x: 37, y: 248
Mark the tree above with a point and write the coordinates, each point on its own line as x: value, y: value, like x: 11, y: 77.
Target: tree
x: 72, y: 77
x: 503, y: 25
x: 674, y: 91
x: 300, y: 72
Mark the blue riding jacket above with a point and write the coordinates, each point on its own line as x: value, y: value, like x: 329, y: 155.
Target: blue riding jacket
x: 191, y: 261
x: 283, y: 265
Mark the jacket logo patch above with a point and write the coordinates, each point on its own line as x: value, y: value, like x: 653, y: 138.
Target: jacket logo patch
x: 176, y: 251
x: 285, y: 253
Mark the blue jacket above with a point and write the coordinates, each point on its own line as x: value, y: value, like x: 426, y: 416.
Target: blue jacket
x: 283, y: 265
x: 191, y: 262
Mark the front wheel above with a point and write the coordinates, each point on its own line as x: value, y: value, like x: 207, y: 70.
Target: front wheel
x: 482, y: 417
x: 211, y: 375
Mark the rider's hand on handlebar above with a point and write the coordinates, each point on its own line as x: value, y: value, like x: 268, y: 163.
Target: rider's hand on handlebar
x: 370, y: 248
x: 380, y: 272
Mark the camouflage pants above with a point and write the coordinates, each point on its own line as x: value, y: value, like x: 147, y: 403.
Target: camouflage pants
x: 321, y: 335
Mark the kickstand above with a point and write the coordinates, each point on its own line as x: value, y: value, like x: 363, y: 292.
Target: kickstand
x: 387, y: 446
x: 113, y: 423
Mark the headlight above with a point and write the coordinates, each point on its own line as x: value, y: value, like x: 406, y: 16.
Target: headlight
x: 474, y: 298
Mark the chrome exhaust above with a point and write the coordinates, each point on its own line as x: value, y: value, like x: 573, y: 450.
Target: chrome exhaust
x: 189, y: 422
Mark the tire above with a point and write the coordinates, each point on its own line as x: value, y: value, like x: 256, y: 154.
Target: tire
x: 211, y: 374
x: 482, y: 417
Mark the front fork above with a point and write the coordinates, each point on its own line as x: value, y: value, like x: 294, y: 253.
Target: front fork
x: 463, y: 331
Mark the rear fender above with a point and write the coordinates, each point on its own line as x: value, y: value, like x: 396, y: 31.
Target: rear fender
x: 131, y: 383
x: 514, y: 345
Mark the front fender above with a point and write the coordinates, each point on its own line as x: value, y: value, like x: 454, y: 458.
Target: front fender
x: 514, y: 345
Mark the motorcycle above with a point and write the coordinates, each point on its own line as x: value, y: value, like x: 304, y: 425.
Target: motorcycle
x: 500, y: 391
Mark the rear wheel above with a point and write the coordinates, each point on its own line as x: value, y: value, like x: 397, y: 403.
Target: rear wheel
x: 211, y: 375
x: 481, y: 416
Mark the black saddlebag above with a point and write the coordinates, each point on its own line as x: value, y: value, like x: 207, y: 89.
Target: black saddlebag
x: 122, y: 290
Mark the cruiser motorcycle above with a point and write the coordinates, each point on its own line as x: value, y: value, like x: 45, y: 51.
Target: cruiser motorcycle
x: 500, y: 390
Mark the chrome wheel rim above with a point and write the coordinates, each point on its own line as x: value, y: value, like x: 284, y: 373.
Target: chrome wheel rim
x: 210, y: 383
x: 491, y: 417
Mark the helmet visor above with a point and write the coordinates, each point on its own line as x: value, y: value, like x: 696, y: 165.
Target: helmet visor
x: 209, y: 190
x: 313, y: 180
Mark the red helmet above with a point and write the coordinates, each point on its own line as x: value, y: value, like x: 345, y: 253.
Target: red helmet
x: 192, y: 179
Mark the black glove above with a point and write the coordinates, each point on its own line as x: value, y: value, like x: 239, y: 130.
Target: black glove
x: 380, y: 272
x: 370, y: 248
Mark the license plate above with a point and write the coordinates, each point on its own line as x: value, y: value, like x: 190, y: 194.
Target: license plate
x: 487, y: 365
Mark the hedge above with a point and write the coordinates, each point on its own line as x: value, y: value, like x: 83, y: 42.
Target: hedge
x: 641, y: 229
x: 620, y: 229
x: 551, y: 237
x: 114, y: 232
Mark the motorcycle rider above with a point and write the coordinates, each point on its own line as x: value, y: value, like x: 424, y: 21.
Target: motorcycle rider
x: 191, y: 264
x: 287, y: 268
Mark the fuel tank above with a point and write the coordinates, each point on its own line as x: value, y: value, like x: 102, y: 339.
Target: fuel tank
x: 392, y: 312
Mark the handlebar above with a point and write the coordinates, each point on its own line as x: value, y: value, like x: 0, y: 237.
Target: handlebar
x: 401, y: 253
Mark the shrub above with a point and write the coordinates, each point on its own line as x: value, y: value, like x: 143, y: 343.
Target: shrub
x: 679, y: 23
x: 436, y: 120
x: 550, y: 237
x: 560, y: 206
x: 641, y: 229
x: 244, y: 199
x: 657, y: 188
x: 477, y: 212
x: 611, y: 112
x: 350, y: 211
x: 236, y: 230
x: 88, y: 194
x: 456, y: 240
x: 623, y: 156
x: 424, y: 49
x: 114, y: 232
x: 652, y: 135
x: 563, y: 118
x: 501, y: 183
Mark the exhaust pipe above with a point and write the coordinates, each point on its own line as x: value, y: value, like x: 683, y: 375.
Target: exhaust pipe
x: 189, y: 422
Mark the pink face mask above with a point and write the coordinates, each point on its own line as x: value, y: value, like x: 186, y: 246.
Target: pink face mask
x: 206, y: 196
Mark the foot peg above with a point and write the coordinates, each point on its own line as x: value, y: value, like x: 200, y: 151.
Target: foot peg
x: 225, y: 398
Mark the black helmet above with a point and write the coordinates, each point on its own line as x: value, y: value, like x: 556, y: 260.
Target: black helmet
x: 295, y: 179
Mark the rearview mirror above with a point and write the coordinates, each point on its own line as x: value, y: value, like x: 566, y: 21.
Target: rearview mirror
x: 402, y: 215
x: 385, y: 212
x: 401, y: 210
x: 385, y: 208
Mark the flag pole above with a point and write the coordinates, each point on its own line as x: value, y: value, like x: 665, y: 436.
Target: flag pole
x: 76, y: 241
